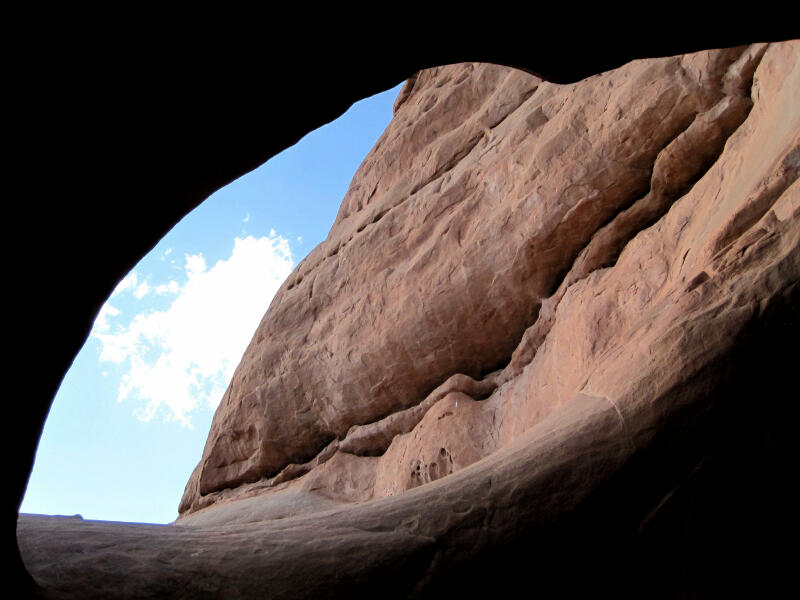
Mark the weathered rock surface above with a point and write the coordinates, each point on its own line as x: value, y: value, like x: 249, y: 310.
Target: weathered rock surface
x: 499, y: 365
x: 509, y: 243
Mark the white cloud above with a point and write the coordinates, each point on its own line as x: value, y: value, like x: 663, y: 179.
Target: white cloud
x: 128, y: 282
x: 180, y: 358
x: 168, y: 288
x: 141, y: 290
x: 101, y: 321
x: 195, y: 263
x: 246, y: 218
x: 300, y: 238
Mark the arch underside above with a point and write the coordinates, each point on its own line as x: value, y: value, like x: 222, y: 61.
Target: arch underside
x: 601, y: 499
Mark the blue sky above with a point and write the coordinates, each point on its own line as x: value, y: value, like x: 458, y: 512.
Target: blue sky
x: 131, y: 417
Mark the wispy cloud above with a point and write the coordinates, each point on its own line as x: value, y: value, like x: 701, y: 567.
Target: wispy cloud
x: 168, y: 288
x: 141, y: 290
x: 178, y: 359
x: 128, y: 282
x: 101, y: 322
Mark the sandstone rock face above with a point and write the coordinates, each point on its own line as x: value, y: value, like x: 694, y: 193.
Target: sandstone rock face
x: 511, y: 247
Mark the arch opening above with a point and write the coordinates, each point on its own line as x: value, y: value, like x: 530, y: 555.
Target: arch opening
x: 132, y: 414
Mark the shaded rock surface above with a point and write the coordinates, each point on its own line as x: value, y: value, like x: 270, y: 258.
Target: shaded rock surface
x: 516, y: 355
x: 509, y: 243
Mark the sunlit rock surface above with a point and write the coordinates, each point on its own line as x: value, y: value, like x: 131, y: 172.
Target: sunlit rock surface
x: 509, y: 243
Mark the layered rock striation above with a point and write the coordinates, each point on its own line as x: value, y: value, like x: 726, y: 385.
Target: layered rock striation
x: 507, y: 246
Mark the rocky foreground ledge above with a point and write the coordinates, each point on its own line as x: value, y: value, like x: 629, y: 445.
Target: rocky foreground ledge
x: 544, y: 341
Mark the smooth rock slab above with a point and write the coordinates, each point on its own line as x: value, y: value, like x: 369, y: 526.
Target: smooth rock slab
x: 519, y: 242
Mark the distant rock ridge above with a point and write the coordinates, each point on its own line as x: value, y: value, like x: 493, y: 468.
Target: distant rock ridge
x: 510, y: 245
